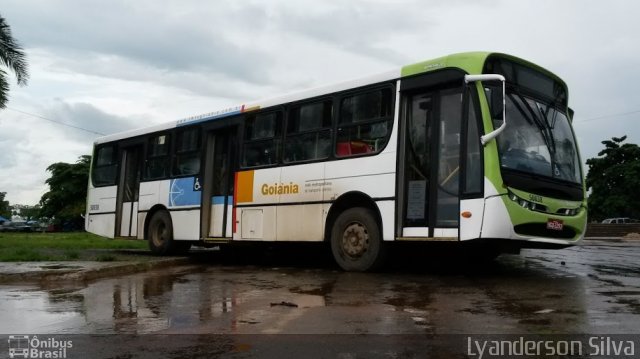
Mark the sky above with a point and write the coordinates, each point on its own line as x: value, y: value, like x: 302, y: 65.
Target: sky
x: 110, y: 66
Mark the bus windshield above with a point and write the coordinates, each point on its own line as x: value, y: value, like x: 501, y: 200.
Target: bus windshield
x: 537, y: 139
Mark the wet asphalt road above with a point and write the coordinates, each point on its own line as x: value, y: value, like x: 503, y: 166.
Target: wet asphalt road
x: 310, y: 308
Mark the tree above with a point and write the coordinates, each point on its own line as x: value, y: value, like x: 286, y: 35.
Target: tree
x: 65, y: 202
x: 5, y: 208
x: 11, y: 56
x: 614, y: 178
x: 28, y: 213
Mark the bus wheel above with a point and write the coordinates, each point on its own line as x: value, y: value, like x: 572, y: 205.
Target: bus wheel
x: 160, y: 233
x: 356, y: 242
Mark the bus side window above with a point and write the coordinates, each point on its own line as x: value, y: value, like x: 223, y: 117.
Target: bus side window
x: 365, y: 123
x: 105, y: 166
x: 157, y: 162
x: 308, y: 132
x: 186, y: 160
x: 262, y: 139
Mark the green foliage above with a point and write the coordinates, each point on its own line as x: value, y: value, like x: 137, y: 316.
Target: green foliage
x: 11, y: 56
x: 72, y: 254
x: 5, y: 208
x: 29, y: 213
x: 105, y: 258
x: 66, y: 241
x: 65, y: 202
x: 23, y: 255
x: 614, y: 178
x: 64, y: 246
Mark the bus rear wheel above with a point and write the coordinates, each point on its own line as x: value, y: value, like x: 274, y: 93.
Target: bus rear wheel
x: 160, y: 236
x: 356, y: 241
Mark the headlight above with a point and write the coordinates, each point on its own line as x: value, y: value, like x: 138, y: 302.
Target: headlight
x: 527, y: 204
x: 569, y: 211
x: 540, y: 207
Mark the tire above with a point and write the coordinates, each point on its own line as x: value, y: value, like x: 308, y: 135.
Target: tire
x: 356, y: 241
x: 160, y: 236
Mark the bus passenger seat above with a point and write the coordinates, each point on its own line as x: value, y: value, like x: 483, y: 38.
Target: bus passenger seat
x: 358, y: 147
x: 343, y: 149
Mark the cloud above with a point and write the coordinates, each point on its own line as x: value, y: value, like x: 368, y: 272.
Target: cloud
x: 8, y: 142
x: 169, y: 38
x: 88, y: 117
x: 112, y: 66
x: 28, y: 144
x: 354, y: 27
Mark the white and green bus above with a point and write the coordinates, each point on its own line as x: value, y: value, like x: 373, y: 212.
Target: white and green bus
x: 467, y: 148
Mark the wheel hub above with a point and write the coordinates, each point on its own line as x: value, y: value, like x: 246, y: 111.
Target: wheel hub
x: 159, y: 235
x: 355, y: 240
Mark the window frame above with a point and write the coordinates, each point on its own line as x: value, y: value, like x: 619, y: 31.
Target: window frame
x: 115, y: 164
x: 277, y: 138
x: 176, y: 153
x: 330, y: 128
x: 391, y: 118
x: 471, y: 102
x: 167, y: 156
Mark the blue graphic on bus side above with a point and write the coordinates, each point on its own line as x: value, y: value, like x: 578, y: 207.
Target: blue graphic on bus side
x: 184, y: 192
x: 220, y: 200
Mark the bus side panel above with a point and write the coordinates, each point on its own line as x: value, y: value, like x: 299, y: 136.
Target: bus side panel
x: 301, y: 223
x: 101, y: 224
x: 300, y: 213
x: 471, y: 226
x: 387, y: 213
x: 186, y: 224
x: 151, y: 194
x: 101, y: 211
x: 496, y: 222
x: 256, y: 224
x: 257, y: 195
x: 142, y: 216
x: 372, y: 175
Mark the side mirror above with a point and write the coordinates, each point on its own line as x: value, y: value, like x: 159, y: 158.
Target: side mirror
x: 495, y: 103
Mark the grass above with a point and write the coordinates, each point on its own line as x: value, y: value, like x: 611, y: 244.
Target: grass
x: 105, y: 258
x: 33, y: 247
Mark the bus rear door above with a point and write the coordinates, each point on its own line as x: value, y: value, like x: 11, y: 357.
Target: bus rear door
x: 128, y: 192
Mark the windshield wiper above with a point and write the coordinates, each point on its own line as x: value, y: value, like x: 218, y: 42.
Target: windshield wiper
x: 531, y: 117
x: 548, y: 127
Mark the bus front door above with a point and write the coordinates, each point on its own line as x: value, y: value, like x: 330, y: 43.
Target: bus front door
x: 128, y: 193
x: 429, y: 190
x: 217, y: 191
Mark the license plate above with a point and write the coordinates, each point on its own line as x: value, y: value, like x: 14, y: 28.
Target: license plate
x: 555, y: 224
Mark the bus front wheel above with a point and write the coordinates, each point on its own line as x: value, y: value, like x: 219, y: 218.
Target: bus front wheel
x: 160, y: 236
x: 356, y: 242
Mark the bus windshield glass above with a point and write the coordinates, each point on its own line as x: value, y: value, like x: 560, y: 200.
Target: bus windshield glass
x: 537, y: 139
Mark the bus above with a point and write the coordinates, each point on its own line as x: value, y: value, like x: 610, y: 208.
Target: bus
x: 467, y: 148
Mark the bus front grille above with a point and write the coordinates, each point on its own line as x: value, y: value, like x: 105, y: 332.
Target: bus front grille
x: 541, y: 230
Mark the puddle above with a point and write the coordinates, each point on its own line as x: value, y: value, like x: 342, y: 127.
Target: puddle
x: 515, y: 295
x: 59, y: 266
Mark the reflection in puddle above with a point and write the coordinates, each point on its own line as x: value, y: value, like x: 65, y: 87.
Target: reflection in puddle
x: 32, y: 311
x: 155, y: 302
x: 516, y: 295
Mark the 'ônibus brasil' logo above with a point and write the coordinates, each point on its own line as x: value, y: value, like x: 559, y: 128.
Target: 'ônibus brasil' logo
x: 279, y: 188
x: 23, y: 346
